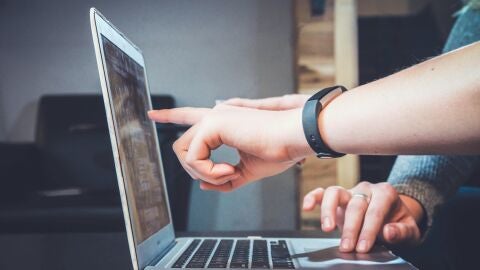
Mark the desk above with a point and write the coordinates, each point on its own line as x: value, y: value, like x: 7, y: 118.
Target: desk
x: 92, y: 251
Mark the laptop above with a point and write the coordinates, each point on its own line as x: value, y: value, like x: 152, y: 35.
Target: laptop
x: 138, y: 163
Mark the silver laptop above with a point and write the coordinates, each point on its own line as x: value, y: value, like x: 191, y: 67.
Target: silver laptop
x: 138, y: 164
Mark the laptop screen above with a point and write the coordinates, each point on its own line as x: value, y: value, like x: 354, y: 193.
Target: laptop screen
x: 137, y: 146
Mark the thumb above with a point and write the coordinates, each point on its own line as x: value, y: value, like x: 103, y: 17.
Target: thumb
x: 198, y: 156
x: 401, y: 232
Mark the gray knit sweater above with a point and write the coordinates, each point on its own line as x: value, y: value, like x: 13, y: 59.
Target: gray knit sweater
x: 433, y: 179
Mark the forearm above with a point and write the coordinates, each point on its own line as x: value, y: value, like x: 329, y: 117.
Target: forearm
x: 433, y: 107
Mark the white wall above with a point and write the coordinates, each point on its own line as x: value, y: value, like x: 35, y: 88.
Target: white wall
x: 197, y: 51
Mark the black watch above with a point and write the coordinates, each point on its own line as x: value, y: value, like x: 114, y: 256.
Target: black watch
x: 310, y: 113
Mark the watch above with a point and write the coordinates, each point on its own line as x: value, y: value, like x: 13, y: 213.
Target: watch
x: 310, y: 113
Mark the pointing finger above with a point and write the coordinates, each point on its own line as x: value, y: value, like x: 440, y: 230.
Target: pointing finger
x: 182, y: 116
x: 273, y: 103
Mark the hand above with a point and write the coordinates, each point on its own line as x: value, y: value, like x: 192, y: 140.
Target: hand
x: 382, y: 213
x: 286, y: 102
x: 268, y: 142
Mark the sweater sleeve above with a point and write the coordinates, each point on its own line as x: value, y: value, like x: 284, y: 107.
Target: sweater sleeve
x: 431, y: 180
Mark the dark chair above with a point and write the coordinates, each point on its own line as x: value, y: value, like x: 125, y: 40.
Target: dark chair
x: 65, y: 180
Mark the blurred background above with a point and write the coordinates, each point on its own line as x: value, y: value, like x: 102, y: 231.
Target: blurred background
x: 58, y: 196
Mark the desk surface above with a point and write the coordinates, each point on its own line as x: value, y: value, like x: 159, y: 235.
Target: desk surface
x: 72, y: 251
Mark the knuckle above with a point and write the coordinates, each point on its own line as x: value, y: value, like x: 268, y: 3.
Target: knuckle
x: 316, y: 191
x: 391, y: 192
x: 176, y: 146
x: 334, y: 189
x: 363, y: 184
x: 209, y: 122
x: 387, y: 190
x: 189, y: 160
x: 221, y: 106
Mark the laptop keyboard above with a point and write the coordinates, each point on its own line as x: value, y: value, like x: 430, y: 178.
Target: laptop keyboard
x: 229, y: 253
x: 221, y: 255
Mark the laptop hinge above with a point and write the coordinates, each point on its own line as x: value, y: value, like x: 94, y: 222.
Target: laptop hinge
x: 163, y: 253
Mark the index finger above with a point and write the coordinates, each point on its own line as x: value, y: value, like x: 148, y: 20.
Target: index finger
x: 272, y: 103
x: 181, y: 116
x: 285, y: 102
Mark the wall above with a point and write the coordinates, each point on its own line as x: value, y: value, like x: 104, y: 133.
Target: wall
x: 2, y: 116
x: 197, y: 51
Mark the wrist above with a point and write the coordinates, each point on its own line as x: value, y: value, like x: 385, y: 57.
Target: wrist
x: 297, y: 145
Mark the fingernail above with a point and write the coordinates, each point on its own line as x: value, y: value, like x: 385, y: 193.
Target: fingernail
x: 362, y: 246
x: 392, y: 232
x: 345, y: 245
x: 326, y: 223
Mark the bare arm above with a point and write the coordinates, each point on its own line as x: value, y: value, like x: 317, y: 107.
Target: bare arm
x: 433, y: 107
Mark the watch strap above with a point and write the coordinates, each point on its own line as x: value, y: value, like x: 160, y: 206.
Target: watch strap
x: 310, y: 113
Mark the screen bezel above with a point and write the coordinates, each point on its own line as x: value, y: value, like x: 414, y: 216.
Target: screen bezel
x: 151, y: 248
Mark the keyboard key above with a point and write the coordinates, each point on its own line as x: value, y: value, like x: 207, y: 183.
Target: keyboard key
x: 186, y: 254
x: 222, y: 254
x: 241, y: 254
x: 281, y: 258
x: 200, y: 258
x: 260, y: 254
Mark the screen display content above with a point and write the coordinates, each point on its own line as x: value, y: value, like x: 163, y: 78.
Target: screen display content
x: 136, y: 142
